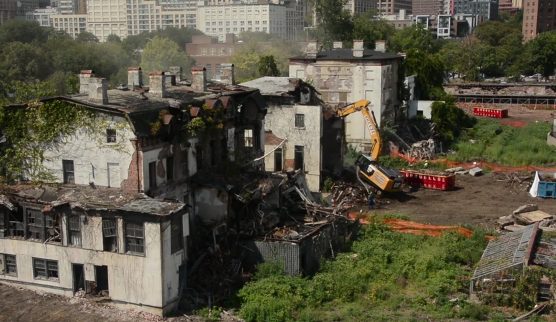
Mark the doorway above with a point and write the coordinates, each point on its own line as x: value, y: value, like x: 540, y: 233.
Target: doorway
x: 78, y: 277
x: 101, y: 273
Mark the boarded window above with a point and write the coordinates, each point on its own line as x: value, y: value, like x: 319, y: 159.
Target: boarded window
x: 135, y: 238
x: 45, y: 269
x: 74, y: 230
x: 170, y: 168
x: 177, y: 233
x: 299, y: 120
x: 110, y: 136
x: 69, y: 173
x: 110, y: 235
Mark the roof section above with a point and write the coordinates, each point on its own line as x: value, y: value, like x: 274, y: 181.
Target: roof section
x: 89, y: 198
x: 269, y: 85
x: 507, y: 251
x: 271, y: 139
x: 347, y: 54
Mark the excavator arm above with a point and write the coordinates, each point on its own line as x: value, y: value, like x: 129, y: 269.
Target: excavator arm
x: 361, y: 106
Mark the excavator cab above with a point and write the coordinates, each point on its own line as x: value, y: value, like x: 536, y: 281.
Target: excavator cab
x: 376, y: 177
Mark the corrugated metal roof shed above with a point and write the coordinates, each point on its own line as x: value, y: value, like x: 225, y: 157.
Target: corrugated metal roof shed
x: 508, y: 251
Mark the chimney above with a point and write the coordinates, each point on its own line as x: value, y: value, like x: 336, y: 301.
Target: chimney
x: 380, y: 45
x: 227, y: 75
x: 170, y: 79
x: 157, y: 84
x: 337, y: 45
x: 98, y: 90
x: 312, y: 49
x: 199, y: 79
x: 176, y: 70
x: 358, y: 48
x: 84, y: 77
x: 134, y: 77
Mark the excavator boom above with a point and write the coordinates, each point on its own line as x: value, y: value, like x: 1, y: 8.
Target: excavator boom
x: 361, y: 106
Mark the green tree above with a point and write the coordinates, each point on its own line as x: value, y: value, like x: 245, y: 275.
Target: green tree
x: 161, y: 53
x: 542, y: 52
x: 414, y: 37
x: 267, y: 66
x: 429, y: 71
x: 23, y: 31
x: 113, y: 38
x: 86, y: 36
x: 370, y: 29
x: 22, y: 61
x: 334, y: 23
x: 449, y: 120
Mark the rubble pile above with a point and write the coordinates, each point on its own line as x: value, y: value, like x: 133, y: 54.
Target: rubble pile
x: 526, y: 215
x: 422, y: 150
x: 345, y: 195
x: 515, y: 181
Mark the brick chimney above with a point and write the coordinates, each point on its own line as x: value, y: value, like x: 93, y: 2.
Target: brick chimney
x: 157, y: 84
x: 358, y: 48
x: 98, y: 90
x: 84, y: 77
x: 199, y: 79
x: 312, y: 49
x: 227, y: 75
x: 176, y: 70
x: 134, y: 77
x: 337, y: 45
x: 380, y: 45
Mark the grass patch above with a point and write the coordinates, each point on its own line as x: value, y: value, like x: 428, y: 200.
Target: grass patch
x: 492, y: 142
x: 386, y: 276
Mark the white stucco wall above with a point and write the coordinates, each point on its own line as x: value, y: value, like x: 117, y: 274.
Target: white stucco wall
x: 425, y: 107
x: 132, y: 279
x: 91, y: 155
x: 281, y: 121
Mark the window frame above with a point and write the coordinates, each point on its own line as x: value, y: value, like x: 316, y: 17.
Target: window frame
x: 48, y: 267
x: 299, y: 121
x: 10, y: 265
x: 113, y: 235
x: 134, y: 236
x: 111, y: 136
x: 248, y: 141
x: 68, y: 175
x: 73, y: 231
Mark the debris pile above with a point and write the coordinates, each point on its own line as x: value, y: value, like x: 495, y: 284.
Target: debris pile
x: 516, y: 182
x: 345, y: 196
x: 526, y: 215
x: 422, y: 150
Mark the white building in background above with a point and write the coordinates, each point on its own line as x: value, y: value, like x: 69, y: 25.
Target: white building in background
x: 73, y: 25
x: 107, y: 17
x: 42, y: 16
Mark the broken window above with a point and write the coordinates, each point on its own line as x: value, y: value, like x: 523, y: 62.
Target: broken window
x: 35, y: 223
x: 170, y: 168
x: 134, y: 238
x: 110, y: 136
x: 69, y: 174
x: 278, y: 159
x: 248, y: 138
x: 16, y: 227
x: 52, y: 228
x: 45, y: 269
x: 177, y: 234
x: 299, y: 157
x: 299, y: 120
x: 74, y: 230
x: 8, y: 265
x: 109, y: 235
x: 152, y: 175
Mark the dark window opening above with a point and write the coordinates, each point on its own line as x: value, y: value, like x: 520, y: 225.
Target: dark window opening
x: 248, y: 138
x: 45, y: 269
x: 110, y: 136
x: 16, y: 226
x: 68, y: 169
x: 10, y: 265
x: 152, y: 175
x: 110, y: 235
x: 3, y: 223
x: 299, y: 120
x: 74, y: 230
x: 299, y: 157
x: 170, y: 168
x: 177, y: 234
x: 199, y: 156
x: 278, y: 159
x: 52, y: 228
x: 135, y: 238
x: 213, y: 152
x: 35, y: 224
x: 101, y: 273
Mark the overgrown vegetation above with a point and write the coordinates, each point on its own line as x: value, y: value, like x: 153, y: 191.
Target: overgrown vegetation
x: 492, y: 142
x: 385, y: 276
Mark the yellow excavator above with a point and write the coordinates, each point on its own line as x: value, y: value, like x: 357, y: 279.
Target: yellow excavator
x: 369, y: 173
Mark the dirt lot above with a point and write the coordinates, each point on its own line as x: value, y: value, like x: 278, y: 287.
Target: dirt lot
x: 476, y: 201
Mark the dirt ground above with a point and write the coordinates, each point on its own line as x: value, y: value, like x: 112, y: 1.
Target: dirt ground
x: 477, y: 201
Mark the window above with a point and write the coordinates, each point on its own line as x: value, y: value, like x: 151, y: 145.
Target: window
x: 45, y: 269
x: 299, y: 157
x: 170, y: 168
x: 248, y: 138
x: 3, y: 225
x: 299, y: 120
x: 68, y: 169
x: 199, y: 156
x: 134, y: 238
x: 152, y: 175
x: 74, y: 230
x: 35, y: 224
x: 109, y: 235
x: 278, y: 159
x: 9, y: 267
x: 110, y: 136
x: 177, y: 234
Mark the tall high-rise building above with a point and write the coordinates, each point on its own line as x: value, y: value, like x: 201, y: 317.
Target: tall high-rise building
x: 392, y: 7
x: 356, y: 7
x: 24, y: 6
x: 483, y: 9
x: 538, y: 16
x: 428, y: 7
x: 8, y: 9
